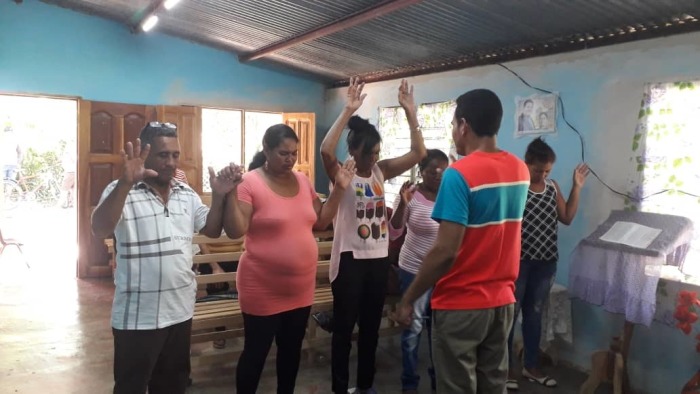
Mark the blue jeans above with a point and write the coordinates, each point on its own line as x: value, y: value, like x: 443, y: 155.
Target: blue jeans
x: 410, y: 337
x: 531, y: 295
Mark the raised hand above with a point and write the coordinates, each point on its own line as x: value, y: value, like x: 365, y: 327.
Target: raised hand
x: 345, y: 174
x: 355, y: 97
x: 580, y: 174
x: 406, y: 97
x: 226, y: 180
x: 406, y: 192
x: 134, y: 163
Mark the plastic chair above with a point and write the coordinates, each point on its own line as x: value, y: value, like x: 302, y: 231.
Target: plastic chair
x: 5, y: 242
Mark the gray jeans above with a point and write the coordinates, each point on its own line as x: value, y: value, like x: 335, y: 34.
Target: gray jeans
x: 470, y: 350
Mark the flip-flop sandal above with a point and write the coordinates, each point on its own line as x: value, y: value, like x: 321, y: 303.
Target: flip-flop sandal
x: 544, y: 381
x: 512, y: 385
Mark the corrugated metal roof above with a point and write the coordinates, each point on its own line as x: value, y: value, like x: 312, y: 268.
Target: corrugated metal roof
x: 119, y: 10
x: 429, y: 36
x: 439, y: 30
x: 249, y: 24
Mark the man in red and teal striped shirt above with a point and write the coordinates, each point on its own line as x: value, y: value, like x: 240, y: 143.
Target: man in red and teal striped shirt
x: 475, y: 259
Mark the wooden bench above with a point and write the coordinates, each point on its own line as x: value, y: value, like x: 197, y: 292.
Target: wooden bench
x: 226, y: 313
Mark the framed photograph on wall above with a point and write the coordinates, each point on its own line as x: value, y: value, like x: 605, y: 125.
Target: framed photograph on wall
x: 535, y: 115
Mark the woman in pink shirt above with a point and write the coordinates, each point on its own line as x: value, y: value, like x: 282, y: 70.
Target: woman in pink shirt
x: 277, y: 209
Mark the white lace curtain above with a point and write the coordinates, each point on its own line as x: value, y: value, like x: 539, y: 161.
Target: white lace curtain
x: 665, y: 155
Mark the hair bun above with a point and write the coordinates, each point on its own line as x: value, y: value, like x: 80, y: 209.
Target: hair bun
x: 358, y: 124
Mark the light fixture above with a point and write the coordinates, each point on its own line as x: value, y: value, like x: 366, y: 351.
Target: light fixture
x: 170, y: 4
x: 149, y: 23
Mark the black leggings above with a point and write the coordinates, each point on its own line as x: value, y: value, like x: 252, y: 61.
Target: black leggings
x: 287, y: 329
x: 358, y: 297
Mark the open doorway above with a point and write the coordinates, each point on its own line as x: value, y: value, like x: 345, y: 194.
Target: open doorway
x: 38, y: 158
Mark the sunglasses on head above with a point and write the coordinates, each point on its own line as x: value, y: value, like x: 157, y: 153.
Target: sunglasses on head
x: 162, y: 125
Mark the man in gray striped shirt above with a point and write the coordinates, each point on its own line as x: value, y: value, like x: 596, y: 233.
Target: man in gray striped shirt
x: 153, y: 218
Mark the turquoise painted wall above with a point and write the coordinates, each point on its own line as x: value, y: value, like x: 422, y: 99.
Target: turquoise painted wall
x: 46, y: 49
x: 602, y: 90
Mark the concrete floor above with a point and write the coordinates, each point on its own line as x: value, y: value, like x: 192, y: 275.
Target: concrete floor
x: 55, y: 337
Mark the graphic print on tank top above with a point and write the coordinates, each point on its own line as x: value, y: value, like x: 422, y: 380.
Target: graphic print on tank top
x: 370, y: 211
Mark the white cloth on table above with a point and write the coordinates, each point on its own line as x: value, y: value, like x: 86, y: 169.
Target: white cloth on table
x: 616, y: 281
x: 615, y: 276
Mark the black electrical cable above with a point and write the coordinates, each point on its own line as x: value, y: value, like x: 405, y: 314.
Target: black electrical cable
x: 583, y: 149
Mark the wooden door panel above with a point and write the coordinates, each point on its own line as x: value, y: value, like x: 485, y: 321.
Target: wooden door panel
x: 186, y: 133
x: 189, y: 131
x: 133, y: 124
x: 102, y: 132
x: 101, y: 174
x: 304, y: 124
x: 103, y: 139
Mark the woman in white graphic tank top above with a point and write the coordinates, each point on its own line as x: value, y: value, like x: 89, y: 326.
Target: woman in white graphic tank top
x: 359, y: 263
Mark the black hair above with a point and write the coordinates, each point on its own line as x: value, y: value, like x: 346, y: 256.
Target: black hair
x: 482, y: 110
x: 154, y: 130
x: 258, y: 160
x: 274, y: 135
x: 527, y: 101
x: 539, y: 151
x: 362, y: 135
x: 433, y: 154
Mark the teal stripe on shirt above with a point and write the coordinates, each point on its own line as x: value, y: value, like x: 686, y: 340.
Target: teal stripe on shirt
x: 480, y: 205
x: 491, y: 209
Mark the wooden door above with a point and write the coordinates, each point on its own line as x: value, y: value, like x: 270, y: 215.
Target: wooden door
x: 304, y: 124
x: 189, y: 131
x: 103, y: 130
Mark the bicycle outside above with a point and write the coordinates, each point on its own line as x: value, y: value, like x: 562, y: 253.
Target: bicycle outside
x: 41, y: 188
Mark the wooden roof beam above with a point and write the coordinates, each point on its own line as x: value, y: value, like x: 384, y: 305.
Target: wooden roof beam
x: 346, y: 22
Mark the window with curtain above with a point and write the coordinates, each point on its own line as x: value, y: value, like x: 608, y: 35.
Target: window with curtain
x: 665, y: 156
x: 435, y: 121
